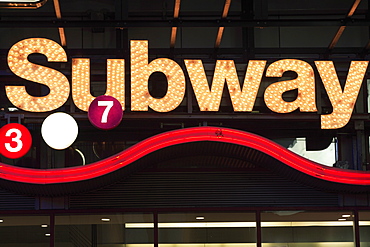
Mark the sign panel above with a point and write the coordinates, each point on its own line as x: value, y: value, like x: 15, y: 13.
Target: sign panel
x: 208, y: 97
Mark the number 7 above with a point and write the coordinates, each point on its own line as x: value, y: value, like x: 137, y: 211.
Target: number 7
x: 108, y: 105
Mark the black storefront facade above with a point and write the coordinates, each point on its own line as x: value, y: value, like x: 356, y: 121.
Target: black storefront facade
x: 191, y: 200
x: 191, y: 176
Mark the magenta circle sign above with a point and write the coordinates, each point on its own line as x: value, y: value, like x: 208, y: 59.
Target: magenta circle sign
x: 105, y: 112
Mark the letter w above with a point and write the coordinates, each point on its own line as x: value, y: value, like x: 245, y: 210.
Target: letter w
x: 209, y: 99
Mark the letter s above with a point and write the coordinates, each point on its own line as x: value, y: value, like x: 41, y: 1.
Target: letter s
x: 55, y: 80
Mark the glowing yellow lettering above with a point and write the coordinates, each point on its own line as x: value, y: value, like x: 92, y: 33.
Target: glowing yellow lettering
x: 81, y: 82
x: 53, y: 79
x: 343, y: 101
x: 140, y: 73
x: 305, y: 83
x: 209, y: 100
x: 208, y: 96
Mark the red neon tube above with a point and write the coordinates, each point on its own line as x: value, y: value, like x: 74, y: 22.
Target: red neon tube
x: 216, y: 134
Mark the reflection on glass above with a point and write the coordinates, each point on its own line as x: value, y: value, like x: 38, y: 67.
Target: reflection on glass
x: 31, y: 231
x: 326, y: 156
x: 104, y: 230
x: 307, y: 229
x: 207, y: 230
x: 364, y: 221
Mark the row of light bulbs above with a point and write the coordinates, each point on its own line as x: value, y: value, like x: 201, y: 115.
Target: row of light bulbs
x: 343, y: 101
x: 141, y: 70
x: 81, y: 82
x: 55, y: 80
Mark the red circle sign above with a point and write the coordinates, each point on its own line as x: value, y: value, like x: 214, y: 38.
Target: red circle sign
x: 15, y: 140
x: 105, y: 112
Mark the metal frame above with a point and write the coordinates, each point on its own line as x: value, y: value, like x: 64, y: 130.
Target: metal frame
x: 155, y: 211
x: 342, y: 28
x: 185, y: 23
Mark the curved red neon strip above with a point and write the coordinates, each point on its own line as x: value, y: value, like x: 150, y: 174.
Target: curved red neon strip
x: 126, y: 157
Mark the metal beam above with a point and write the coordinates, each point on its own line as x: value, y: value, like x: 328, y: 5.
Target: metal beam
x: 176, y: 12
x: 367, y: 46
x: 219, y: 37
x: 221, y: 29
x: 184, y: 23
x: 58, y: 13
x: 341, y: 29
x: 122, y: 41
x: 173, y: 37
x: 247, y: 14
x: 353, y: 8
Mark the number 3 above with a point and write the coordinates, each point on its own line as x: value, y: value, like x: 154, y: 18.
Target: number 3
x: 16, y: 139
x: 108, y: 105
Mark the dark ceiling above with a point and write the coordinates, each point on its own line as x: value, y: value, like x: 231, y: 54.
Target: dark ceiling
x: 238, y: 28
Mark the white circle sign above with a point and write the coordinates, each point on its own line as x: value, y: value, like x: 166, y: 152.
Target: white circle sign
x: 59, y: 130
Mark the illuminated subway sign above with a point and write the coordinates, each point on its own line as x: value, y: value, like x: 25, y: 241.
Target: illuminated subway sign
x: 209, y: 99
